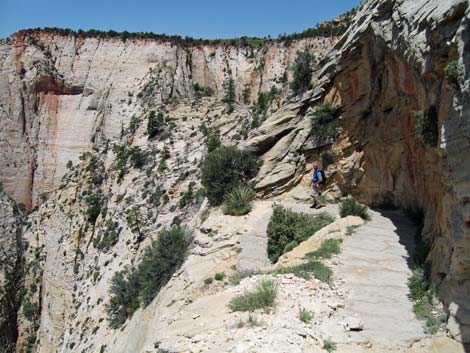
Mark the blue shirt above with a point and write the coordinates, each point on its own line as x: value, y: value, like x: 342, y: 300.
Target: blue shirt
x: 317, y: 176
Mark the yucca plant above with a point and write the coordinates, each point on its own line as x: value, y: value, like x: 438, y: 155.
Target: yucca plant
x: 238, y: 201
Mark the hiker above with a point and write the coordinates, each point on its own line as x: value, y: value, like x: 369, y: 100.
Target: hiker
x: 317, y: 181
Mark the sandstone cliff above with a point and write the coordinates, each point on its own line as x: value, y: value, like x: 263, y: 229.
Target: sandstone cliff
x: 383, y: 75
x: 10, y: 271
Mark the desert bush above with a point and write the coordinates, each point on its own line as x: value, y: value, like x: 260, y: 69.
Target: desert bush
x: 208, y: 280
x: 109, y: 238
x: 329, y: 345
x: 452, y: 72
x: 305, y: 315
x: 224, y: 168
x: 95, y: 203
x: 302, y: 71
x: 327, y: 249
x: 139, y: 286
x: 160, y: 260
x: 238, y: 201
x: 427, y: 127
x: 229, y: 97
x: 350, y: 207
x: 305, y: 270
x: 124, y: 297
x: 287, y: 229
x: 263, y: 297
x: 324, y: 123
x: 200, y: 91
x: 154, y: 123
x: 212, y: 140
x: 219, y: 276
x: 326, y: 160
x: 137, y: 157
x: 31, y: 311
x: 133, y: 124
x: 187, y: 198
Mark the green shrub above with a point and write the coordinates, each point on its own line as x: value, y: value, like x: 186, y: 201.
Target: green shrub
x: 95, y: 203
x: 229, y: 97
x: 286, y: 226
x: 109, y: 238
x: 326, y: 250
x: 329, y: 345
x: 302, y: 70
x: 224, y: 168
x: 422, y: 295
x: 263, y: 297
x: 350, y: 207
x: 326, y: 160
x: 238, y: 201
x: 137, y: 157
x: 324, y: 123
x: 319, y: 271
x: 154, y: 123
x: 160, y: 260
x: 31, y: 311
x: 200, y: 91
x: 133, y: 124
x: 187, y: 198
x: 208, y: 280
x: 139, y: 286
x: 452, y: 72
x: 305, y: 315
x: 212, y: 141
x: 219, y: 276
x: 427, y: 127
x: 124, y: 297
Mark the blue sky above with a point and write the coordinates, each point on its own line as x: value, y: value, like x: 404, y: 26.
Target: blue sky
x: 204, y: 18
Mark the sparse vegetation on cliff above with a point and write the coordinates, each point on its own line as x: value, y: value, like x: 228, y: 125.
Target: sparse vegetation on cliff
x: 200, y: 91
x: 287, y: 229
x: 452, y: 72
x: 133, y: 287
x: 427, y: 127
x: 324, y: 123
x: 263, y: 297
x: 154, y: 123
x: 225, y: 168
x: 302, y: 70
x: 229, y: 97
x: 422, y: 295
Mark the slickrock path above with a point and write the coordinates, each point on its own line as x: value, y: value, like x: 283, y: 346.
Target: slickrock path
x: 254, y: 241
x: 374, y: 265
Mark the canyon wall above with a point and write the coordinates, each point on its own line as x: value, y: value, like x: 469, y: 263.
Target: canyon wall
x: 62, y: 95
x: 385, y: 76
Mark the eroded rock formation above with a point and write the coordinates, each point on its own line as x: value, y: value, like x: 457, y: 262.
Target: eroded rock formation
x: 61, y: 95
x: 386, y: 73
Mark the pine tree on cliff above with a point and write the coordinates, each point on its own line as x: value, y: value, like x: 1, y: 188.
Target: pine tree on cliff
x: 229, y: 98
x: 302, y: 69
